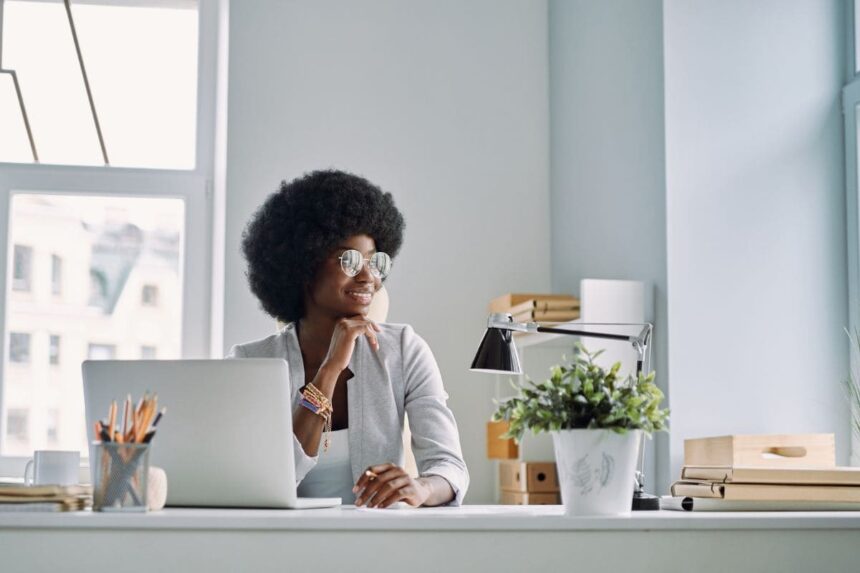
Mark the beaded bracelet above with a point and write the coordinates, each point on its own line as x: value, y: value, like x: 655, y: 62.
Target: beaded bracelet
x: 314, y: 400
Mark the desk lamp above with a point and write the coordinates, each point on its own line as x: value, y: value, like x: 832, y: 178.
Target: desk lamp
x: 498, y: 354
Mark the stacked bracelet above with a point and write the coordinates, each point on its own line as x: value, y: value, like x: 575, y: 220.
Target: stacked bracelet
x: 314, y: 400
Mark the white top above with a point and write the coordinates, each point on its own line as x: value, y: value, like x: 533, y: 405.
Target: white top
x: 332, y: 475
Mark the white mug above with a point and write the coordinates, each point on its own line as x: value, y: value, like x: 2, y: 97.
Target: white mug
x: 53, y: 467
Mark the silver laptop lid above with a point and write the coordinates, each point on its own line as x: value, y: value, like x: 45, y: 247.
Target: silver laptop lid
x: 226, y: 438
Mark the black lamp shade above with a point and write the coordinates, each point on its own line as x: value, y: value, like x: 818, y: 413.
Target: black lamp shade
x: 497, y: 353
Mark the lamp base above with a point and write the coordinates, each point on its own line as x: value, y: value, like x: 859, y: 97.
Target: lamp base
x: 645, y: 501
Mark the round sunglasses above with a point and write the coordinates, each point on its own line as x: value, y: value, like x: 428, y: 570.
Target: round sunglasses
x: 351, y: 263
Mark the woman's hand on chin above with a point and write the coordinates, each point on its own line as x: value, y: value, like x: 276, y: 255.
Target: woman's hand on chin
x: 385, y: 484
x: 346, y: 331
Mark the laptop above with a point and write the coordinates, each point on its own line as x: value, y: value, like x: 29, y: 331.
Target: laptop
x: 226, y: 439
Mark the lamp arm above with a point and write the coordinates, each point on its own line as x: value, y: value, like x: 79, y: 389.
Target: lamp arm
x: 640, y: 342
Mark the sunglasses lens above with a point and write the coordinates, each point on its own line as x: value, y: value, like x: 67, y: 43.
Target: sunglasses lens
x: 380, y: 264
x: 350, y: 262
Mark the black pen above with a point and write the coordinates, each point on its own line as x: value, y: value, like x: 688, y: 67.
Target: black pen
x: 158, y: 417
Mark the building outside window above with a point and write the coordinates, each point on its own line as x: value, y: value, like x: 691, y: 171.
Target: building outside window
x: 148, y: 352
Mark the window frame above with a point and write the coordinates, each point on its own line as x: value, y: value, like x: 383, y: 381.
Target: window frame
x: 194, y: 186
x: 850, y: 103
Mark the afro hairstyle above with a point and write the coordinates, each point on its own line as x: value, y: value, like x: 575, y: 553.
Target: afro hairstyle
x: 299, y: 225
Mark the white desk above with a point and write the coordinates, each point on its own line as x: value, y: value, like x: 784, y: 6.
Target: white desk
x: 471, y: 538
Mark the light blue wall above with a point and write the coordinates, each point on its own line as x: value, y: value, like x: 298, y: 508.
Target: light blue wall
x: 731, y: 202
x: 755, y: 217
x: 607, y: 189
x: 444, y: 104
x: 448, y: 104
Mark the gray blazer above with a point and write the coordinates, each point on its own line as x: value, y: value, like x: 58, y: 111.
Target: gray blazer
x: 402, y: 376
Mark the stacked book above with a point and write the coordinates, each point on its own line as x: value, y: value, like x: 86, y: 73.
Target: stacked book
x: 543, y: 308
x: 18, y: 497
x: 528, y: 483
x: 764, y: 473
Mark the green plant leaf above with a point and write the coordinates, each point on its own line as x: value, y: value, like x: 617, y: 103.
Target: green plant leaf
x: 581, y: 394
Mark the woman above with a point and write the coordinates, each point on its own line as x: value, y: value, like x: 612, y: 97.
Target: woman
x: 317, y: 251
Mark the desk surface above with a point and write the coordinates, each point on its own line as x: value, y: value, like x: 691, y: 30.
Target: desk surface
x: 469, y: 517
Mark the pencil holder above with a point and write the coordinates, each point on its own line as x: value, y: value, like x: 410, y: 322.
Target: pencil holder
x: 119, y: 476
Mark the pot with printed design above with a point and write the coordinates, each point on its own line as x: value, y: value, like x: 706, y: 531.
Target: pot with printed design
x: 597, y: 420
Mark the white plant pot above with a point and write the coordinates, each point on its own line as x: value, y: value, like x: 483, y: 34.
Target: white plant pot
x: 596, y: 470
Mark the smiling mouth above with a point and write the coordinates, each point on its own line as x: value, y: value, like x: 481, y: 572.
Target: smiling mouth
x: 362, y: 297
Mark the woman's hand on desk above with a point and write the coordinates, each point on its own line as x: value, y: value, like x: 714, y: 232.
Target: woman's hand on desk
x: 346, y: 331
x: 385, y: 484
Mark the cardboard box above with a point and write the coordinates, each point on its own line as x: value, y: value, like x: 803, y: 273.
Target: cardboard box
x: 497, y: 448
x: 762, y: 451
x: 530, y: 477
x: 506, y: 301
x: 529, y: 498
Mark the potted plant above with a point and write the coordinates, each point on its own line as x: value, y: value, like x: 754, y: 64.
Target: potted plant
x: 596, y: 419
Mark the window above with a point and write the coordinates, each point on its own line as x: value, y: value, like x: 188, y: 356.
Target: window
x: 149, y: 295
x: 143, y: 86
x: 56, y: 275
x: 101, y: 352
x: 23, y: 265
x: 19, y: 347
x: 54, y: 349
x: 148, y: 352
x: 91, y: 235
x: 117, y: 244
x: 17, y: 425
x: 52, y: 427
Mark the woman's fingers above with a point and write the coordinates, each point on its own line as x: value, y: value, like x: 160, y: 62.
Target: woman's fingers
x: 369, y: 485
x: 368, y: 328
x: 387, y: 483
x: 369, y: 475
x: 373, y: 484
x: 345, y: 335
x: 391, y: 492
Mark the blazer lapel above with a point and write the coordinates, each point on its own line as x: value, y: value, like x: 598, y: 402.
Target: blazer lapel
x: 373, y: 412
x: 294, y: 362
x: 355, y: 396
